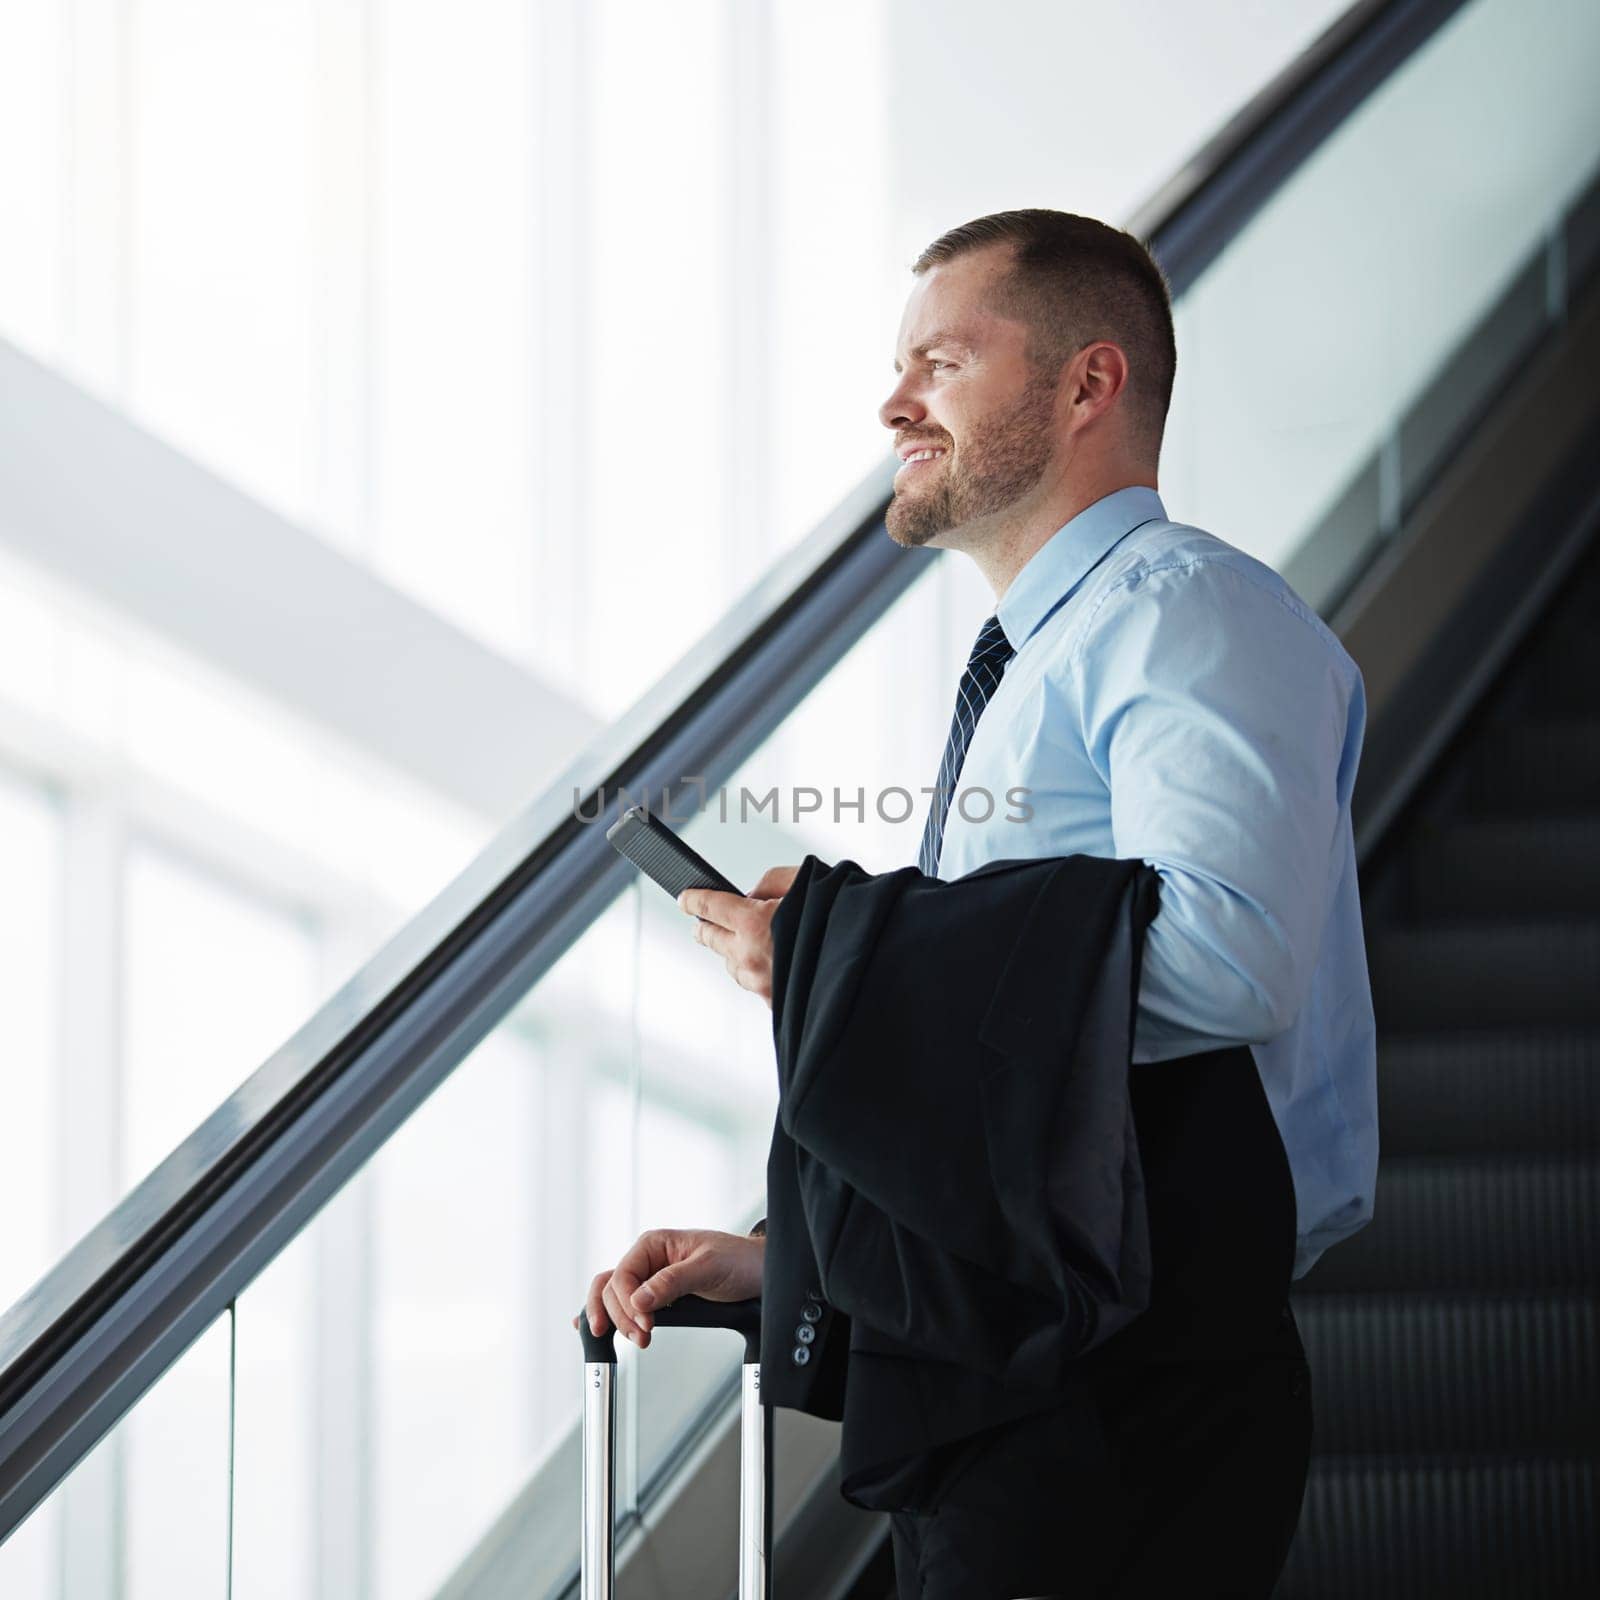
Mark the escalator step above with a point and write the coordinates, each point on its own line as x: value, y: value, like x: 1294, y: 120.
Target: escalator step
x: 1559, y: 667
x: 1487, y: 1224
x: 1471, y: 1529
x: 1561, y: 679
x: 1498, y: 867
x: 1485, y: 974
x: 1474, y: 1092
x: 1535, y: 768
x: 1418, y: 1373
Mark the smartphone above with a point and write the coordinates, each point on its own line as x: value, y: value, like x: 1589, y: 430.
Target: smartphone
x: 660, y: 854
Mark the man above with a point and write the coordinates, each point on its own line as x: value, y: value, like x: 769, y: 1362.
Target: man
x: 1161, y: 696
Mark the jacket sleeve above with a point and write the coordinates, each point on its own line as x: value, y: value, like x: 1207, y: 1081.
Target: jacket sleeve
x: 1216, y: 715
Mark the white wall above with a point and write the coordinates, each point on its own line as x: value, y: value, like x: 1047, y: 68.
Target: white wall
x: 1073, y: 104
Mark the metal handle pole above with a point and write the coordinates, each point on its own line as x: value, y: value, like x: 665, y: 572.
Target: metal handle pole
x: 755, y: 1501
x: 597, y: 1549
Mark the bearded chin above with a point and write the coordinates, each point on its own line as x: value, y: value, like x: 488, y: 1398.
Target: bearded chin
x: 913, y: 520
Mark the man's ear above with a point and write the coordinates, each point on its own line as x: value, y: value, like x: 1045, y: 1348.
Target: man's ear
x: 1105, y: 373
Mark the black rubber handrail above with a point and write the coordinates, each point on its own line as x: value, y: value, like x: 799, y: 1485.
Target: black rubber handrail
x: 79, y: 1349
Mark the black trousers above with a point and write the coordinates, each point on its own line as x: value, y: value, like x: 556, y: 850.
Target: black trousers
x: 1175, y: 1463
x: 1175, y: 1479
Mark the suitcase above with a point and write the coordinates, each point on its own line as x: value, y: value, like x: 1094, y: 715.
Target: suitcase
x: 600, y: 1432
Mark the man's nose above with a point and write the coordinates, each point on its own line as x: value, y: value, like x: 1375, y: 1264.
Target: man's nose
x: 901, y: 410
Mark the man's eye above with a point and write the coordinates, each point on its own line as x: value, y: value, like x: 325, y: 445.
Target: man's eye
x: 937, y: 364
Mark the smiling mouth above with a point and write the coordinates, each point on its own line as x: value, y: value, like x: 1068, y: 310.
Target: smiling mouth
x: 920, y: 458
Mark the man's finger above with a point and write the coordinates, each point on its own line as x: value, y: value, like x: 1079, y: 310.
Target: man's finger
x: 618, y: 1312
x: 661, y: 1290
x: 593, y: 1306
x: 719, y: 939
x: 714, y: 905
x: 623, y: 1283
x: 754, y: 981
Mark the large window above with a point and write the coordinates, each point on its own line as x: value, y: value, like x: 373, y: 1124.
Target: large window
x: 215, y: 981
x: 30, y: 1055
x: 529, y: 309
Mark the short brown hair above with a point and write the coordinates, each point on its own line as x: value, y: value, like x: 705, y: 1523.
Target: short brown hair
x: 1075, y: 280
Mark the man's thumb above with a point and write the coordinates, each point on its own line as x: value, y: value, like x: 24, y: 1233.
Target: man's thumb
x: 775, y: 883
x: 661, y: 1290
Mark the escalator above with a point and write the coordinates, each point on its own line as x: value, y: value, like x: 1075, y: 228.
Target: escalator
x: 1440, y: 507
x: 1453, y: 1341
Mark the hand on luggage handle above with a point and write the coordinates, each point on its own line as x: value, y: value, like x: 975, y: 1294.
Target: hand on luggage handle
x: 692, y: 1311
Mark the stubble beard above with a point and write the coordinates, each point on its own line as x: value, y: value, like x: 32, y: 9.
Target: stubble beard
x: 994, y: 469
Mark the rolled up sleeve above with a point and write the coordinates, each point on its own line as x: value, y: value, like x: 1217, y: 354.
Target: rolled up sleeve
x: 1215, y: 714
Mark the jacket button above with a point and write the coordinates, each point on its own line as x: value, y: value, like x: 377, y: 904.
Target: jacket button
x: 811, y: 1313
x: 805, y: 1333
x: 1297, y: 1382
x: 800, y: 1355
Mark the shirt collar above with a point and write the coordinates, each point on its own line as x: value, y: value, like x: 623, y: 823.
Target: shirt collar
x: 1059, y: 565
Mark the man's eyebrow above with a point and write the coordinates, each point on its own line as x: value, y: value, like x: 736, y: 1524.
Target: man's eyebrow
x: 932, y: 342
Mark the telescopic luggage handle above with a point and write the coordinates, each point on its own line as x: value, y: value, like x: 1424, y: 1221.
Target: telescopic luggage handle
x: 600, y: 1432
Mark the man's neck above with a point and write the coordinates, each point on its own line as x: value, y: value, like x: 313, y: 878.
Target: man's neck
x: 1011, y: 543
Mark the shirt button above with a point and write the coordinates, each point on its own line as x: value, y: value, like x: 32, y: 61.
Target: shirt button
x: 811, y: 1313
x: 800, y: 1355
x: 805, y: 1333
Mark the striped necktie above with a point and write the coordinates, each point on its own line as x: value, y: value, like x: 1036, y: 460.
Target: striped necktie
x: 987, y: 662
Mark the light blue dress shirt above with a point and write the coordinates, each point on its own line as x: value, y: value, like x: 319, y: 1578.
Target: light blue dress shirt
x: 1173, y: 700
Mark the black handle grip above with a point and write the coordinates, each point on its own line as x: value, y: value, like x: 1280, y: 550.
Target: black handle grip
x: 692, y: 1311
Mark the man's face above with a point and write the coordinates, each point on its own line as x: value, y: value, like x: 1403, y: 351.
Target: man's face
x: 965, y: 393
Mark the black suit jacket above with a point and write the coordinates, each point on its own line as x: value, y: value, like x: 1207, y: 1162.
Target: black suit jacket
x: 956, y: 1207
